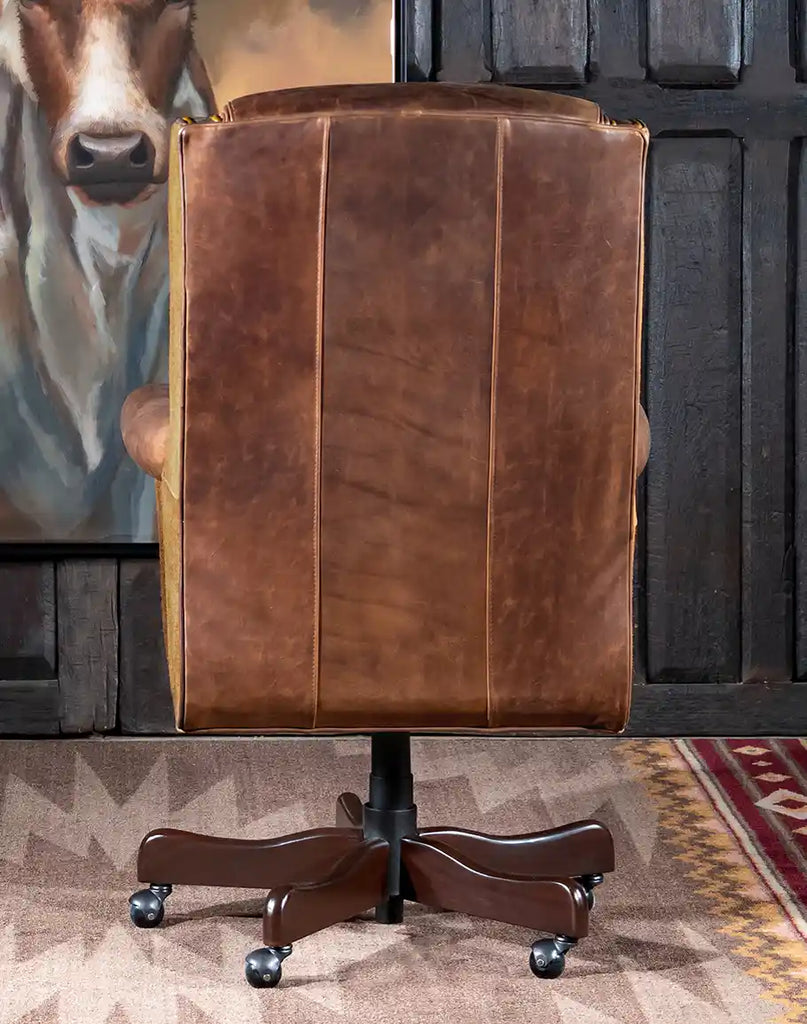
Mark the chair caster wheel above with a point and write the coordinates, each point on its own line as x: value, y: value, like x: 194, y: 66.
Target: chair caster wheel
x: 264, y: 967
x: 147, y: 907
x: 548, y: 956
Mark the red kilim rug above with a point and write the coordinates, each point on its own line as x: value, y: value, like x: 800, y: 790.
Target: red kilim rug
x: 759, y: 789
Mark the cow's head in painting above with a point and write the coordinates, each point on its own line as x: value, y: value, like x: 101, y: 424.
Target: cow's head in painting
x: 105, y: 74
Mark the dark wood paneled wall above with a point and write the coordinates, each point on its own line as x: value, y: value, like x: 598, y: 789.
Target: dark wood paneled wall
x: 721, y: 590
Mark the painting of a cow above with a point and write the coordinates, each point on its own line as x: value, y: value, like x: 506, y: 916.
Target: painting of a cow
x: 88, y: 91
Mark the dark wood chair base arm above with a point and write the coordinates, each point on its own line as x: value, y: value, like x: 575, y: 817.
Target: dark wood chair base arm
x: 349, y: 811
x: 580, y: 848
x: 357, y: 883
x: 440, y: 877
x: 171, y: 856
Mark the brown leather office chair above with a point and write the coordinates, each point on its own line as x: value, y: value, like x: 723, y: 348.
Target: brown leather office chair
x: 396, y: 469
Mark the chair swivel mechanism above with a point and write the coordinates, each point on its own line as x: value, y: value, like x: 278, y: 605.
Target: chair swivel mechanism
x: 396, y: 467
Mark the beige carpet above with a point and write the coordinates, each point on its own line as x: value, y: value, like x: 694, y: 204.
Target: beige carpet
x: 684, y: 933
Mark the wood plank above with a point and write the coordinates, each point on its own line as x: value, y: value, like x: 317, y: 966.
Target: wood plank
x: 714, y: 709
x: 694, y: 41
x: 693, y: 398
x: 28, y: 620
x: 801, y: 42
x: 545, y: 44
x: 87, y: 593
x: 29, y: 707
x: 640, y: 586
x: 419, y: 64
x: 768, y: 49
x: 767, y: 520
x: 640, y: 544
x: 617, y: 50
x: 145, y: 697
x: 462, y: 53
x: 742, y: 111
x: 800, y: 419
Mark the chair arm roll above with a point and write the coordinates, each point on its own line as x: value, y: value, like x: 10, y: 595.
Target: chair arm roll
x: 642, y: 442
x: 144, y: 425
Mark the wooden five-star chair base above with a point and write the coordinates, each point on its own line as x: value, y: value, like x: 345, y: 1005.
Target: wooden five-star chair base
x: 377, y: 857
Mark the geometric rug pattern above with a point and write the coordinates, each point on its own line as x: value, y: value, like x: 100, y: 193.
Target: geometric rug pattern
x: 759, y: 788
x: 722, y: 854
x: 702, y: 923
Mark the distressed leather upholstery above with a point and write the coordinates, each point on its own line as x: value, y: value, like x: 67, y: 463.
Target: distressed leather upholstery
x: 397, y: 479
x: 145, y: 419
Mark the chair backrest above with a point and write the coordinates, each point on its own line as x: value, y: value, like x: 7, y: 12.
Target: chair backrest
x: 404, y: 382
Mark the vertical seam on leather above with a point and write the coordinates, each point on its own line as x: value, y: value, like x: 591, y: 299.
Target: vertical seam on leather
x: 184, y: 353
x: 323, y: 198
x: 494, y: 367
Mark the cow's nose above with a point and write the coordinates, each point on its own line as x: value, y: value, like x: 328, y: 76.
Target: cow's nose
x: 96, y: 159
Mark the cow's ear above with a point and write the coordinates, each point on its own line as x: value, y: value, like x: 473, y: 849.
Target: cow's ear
x: 201, y: 79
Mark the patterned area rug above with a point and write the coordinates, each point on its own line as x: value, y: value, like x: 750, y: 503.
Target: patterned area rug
x: 703, y: 922
x: 759, y: 788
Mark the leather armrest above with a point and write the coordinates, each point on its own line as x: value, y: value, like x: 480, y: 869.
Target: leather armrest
x: 642, y: 442
x: 144, y: 425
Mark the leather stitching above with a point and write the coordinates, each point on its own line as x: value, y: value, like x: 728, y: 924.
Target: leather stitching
x: 462, y: 115
x: 494, y: 367
x: 183, y: 434
x: 323, y: 197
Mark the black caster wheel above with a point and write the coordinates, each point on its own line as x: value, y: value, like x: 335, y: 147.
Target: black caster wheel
x: 548, y: 956
x: 589, y: 882
x: 264, y: 967
x: 147, y: 907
